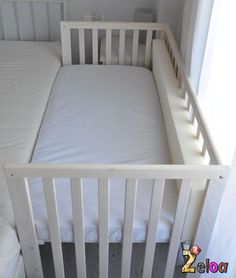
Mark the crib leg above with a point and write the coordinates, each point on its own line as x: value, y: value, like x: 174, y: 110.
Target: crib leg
x: 18, y: 188
x: 206, y: 225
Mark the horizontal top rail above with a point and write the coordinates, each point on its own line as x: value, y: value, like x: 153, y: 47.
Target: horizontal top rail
x: 113, y: 25
x: 116, y: 171
x: 213, y: 153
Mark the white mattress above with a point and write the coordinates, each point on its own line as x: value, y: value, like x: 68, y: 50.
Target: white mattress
x: 103, y: 114
x: 27, y: 73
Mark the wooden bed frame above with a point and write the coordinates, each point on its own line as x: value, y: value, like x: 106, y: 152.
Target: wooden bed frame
x: 18, y: 6
x: 214, y: 175
x: 32, y: 5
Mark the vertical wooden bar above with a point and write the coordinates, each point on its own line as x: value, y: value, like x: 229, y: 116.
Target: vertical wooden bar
x: 183, y: 92
x: 135, y: 47
x: 95, y: 46
x: 193, y: 117
x: 81, y: 47
x: 212, y: 202
x: 190, y: 114
x: 188, y: 104
x: 33, y: 21
x: 18, y: 24
x: 64, y: 10
x: 103, y: 227
x: 122, y: 47
x: 148, y: 49
x: 108, y: 46
x: 2, y: 27
x: 162, y: 35
x: 130, y: 199
x: 78, y: 220
x: 49, y: 22
x: 177, y: 227
x: 204, y: 148
x: 20, y: 198
x: 154, y: 216
x: 198, y: 131
x: 176, y: 69
x: 179, y: 77
x: 54, y: 228
x: 66, y: 45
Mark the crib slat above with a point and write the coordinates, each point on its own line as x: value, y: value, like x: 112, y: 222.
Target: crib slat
x: 212, y: 202
x: 193, y: 117
x: 198, y: 131
x: 190, y: 113
x: 95, y: 46
x: 122, y: 47
x: 18, y: 24
x: 78, y: 219
x: 204, y: 149
x: 33, y: 21
x: 103, y: 227
x: 81, y: 47
x: 177, y: 227
x: 53, y: 222
x: 20, y: 197
x: 148, y: 49
x: 49, y: 21
x: 64, y: 10
x: 2, y: 27
x: 183, y: 92
x: 154, y: 216
x: 66, y: 45
x: 135, y: 47
x: 108, y: 46
x: 130, y: 198
x: 188, y: 104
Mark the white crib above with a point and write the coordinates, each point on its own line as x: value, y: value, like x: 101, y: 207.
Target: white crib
x: 211, y: 173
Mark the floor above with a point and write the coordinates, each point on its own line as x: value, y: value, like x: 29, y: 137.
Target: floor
x: 114, y: 260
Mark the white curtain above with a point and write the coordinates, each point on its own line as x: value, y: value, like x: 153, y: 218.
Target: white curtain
x: 217, y: 96
x: 196, y: 19
x: 217, y: 91
x: 209, y: 49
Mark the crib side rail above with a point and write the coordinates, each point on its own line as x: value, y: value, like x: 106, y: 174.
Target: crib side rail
x: 203, y: 135
x: 20, y: 7
x: 17, y: 177
x: 152, y: 30
x: 109, y: 28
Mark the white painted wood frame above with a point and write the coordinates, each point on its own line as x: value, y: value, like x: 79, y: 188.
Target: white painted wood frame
x: 18, y: 174
x: 108, y: 27
x: 16, y: 4
x: 152, y: 30
x: 192, y: 102
x: 216, y: 175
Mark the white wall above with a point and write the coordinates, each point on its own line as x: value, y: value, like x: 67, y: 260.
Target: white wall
x: 114, y: 10
x: 111, y: 10
x: 171, y: 11
x: 124, y: 10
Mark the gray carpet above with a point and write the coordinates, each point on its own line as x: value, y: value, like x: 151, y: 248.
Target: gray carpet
x: 114, y: 260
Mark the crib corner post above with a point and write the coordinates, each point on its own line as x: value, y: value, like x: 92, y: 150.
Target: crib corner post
x: 206, y: 225
x: 20, y: 199
x: 66, y: 43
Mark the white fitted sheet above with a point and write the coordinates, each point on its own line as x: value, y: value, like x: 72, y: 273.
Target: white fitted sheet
x: 27, y: 73
x: 103, y: 114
